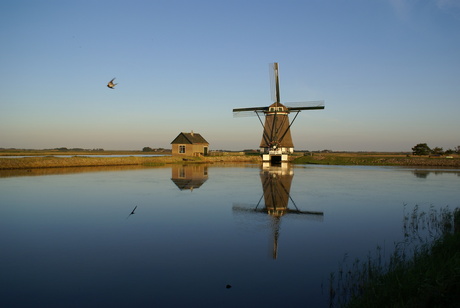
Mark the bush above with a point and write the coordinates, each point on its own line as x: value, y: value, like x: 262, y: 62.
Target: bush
x: 421, y: 149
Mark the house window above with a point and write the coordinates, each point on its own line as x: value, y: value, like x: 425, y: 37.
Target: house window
x: 182, y: 149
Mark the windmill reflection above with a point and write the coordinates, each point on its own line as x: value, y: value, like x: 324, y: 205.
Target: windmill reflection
x: 189, y: 177
x: 276, y: 183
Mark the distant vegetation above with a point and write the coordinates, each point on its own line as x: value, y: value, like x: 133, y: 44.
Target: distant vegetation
x: 60, y: 149
x: 161, y: 150
x: 64, y: 149
x: 424, y: 149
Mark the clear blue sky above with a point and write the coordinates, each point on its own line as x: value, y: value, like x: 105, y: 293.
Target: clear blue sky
x: 388, y: 70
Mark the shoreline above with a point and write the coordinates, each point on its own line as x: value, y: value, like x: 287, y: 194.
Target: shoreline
x: 84, y: 161
x: 379, y: 160
x: 39, y: 162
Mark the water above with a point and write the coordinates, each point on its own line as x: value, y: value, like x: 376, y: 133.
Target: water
x: 201, y: 236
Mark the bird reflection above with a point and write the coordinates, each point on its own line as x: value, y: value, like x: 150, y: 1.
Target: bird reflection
x: 132, y: 212
x: 276, y: 184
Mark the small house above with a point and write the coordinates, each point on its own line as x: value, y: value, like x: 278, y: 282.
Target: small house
x: 189, y: 144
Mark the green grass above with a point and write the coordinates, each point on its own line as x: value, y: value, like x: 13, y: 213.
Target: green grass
x: 81, y: 161
x: 376, y: 160
x: 427, y: 276
x: 88, y: 161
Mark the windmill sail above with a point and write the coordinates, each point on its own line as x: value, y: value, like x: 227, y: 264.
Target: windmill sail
x: 309, y: 105
x: 274, y: 82
x: 291, y: 106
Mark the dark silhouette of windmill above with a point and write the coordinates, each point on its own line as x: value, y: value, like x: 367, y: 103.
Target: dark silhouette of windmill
x: 276, y: 184
x: 276, y: 142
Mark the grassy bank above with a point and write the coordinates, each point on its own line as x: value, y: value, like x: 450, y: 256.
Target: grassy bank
x: 48, y: 160
x: 83, y: 161
x: 427, y: 276
x: 19, y: 152
x: 376, y: 160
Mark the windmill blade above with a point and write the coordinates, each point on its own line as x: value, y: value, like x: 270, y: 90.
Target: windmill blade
x: 246, y: 207
x: 250, y: 109
x: 307, y: 215
x: 313, y: 213
x: 274, y: 82
x: 244, y: 114
x: 248, y: 112
x: 250, y: 208
x: 309, y: 105
x: 307, y: 108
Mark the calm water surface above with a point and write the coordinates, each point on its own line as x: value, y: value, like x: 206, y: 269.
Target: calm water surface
x: 274, y: 235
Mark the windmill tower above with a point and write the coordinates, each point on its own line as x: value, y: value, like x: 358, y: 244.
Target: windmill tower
x: 276, y: 143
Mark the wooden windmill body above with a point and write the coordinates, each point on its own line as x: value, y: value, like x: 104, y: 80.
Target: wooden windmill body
x: 277, y: 134
x: 276, y: 143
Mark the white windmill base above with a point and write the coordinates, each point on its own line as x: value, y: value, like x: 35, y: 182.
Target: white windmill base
x: 276, y: 156
x: 273, y: 157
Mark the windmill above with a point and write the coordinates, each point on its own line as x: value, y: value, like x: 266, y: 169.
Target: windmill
x: 276, y: 185
x: 276, y: 143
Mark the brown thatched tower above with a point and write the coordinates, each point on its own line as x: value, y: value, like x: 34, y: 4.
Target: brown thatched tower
x: 277, y: 134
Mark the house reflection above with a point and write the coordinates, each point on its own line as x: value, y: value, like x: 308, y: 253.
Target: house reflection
x: 189, y: 177
x: 276, y: 184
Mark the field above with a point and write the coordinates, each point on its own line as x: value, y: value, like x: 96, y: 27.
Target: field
x: 377, y: 159
x: 34, y: 159
x: 43, y: 159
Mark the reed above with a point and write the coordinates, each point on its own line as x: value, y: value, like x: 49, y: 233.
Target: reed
x: 423, y: 270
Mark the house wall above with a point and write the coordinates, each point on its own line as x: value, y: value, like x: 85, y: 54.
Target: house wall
x: 190, y: 149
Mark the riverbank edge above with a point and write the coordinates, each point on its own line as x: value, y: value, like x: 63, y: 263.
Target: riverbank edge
x: 34, y: 162
x: 378, y: 160
x: 88, y: 161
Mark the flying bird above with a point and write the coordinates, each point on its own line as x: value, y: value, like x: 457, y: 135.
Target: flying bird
x: 112, y: 85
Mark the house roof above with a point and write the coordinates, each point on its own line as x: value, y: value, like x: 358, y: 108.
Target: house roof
x: 189, y: 138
